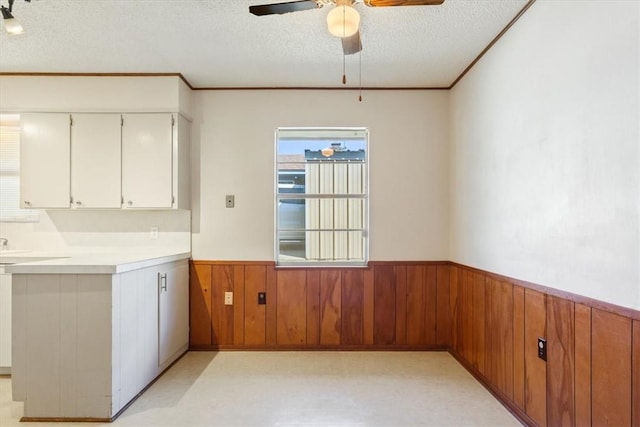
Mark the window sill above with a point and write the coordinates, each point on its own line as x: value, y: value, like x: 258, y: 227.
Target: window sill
x: 320, y: 264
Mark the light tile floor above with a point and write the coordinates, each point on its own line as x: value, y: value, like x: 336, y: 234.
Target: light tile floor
x: 305, y: 388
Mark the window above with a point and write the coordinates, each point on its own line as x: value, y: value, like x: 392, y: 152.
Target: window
x: 321, y: 196
x: 10, y: 172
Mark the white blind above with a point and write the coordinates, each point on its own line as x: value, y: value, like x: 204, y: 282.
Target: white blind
x: 10, y: 172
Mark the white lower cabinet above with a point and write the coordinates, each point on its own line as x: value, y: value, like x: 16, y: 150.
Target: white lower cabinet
x: 5, y: 322
x: 173, y: 310
x: 85, y: 345
x: 153, y: 324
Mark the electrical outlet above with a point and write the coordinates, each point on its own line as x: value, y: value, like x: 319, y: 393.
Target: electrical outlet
x: 542, y: 349
x: 230, y: 200
x: 262, y: 298
x: 153, y: 233
x: 228, y: 298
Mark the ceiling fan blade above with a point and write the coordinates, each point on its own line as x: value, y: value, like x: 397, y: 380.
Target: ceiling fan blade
x: 352, y: 44
x: 388, y: 3
x: 280, y: 8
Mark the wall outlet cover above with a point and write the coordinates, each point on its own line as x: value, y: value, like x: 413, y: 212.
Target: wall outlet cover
x: 542, y: 349
x: 262, y: 298
x: 228, y: 298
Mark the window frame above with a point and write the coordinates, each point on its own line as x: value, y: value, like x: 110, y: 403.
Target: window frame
x: 364, y: 196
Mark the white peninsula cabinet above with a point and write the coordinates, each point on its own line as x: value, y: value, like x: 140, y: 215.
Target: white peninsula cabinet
x: 45, y: 166
x: 5, y: 322
x: 89, y: 337
x: 105, y: 160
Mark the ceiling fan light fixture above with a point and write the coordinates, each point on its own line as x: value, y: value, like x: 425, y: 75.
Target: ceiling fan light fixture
x: 343, y: 21
x: 11, y: 24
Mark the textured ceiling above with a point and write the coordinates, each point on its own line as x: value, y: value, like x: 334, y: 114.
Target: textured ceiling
x: 217, y: 43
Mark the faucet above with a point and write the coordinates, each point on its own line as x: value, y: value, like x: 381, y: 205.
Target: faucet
x: 4, y: 243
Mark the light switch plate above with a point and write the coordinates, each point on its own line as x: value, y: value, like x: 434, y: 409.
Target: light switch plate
x: 230, y: 200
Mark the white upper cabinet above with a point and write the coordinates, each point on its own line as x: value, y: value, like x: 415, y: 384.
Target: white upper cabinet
x: 105, y: 160
x: 96, y: 161
x: 182, y: 163
x: 147, y: 160
x: 45, y: 160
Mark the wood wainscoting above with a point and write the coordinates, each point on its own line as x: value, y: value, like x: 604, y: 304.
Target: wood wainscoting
x: 386, y: 305
x: 592, y: 373
x: 489, y: 323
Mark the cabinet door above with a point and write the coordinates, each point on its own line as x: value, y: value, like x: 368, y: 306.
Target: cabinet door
x: 5, y: 320
x: 149, y: 318
x: 45, y: 160
x: 173, y: 328
x: 147, y: 154
x: 95, y: 161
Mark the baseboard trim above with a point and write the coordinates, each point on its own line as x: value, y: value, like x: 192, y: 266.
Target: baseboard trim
x: 272, y: 347
x: 64, y: 420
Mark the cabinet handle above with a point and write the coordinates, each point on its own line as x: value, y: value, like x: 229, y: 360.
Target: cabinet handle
x: 162, y: 281
x: 78, y: 203
x: 27, y: 203
x: 129, y: 202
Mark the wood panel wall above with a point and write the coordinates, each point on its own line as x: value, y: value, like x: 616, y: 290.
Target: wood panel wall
x: 592, y: 373
x: 387, y: 305
x: 490, y: 323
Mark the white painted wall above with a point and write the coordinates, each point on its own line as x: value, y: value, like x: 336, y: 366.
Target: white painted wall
x: 233, y: 138
x: 99, y: 231
x: 94, y: 94
x: 545, y: 152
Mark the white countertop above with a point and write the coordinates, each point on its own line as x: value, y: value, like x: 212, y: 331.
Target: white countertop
x: 87, y: 263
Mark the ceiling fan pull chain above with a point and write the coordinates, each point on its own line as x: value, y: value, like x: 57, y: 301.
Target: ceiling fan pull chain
x: 360, y: 77
x: 344, y: 72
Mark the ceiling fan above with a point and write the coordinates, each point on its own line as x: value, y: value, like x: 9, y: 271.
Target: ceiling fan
x: 343, y: 20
